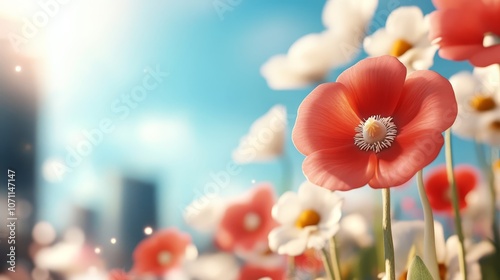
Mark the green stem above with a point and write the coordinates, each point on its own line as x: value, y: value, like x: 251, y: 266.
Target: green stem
x: 493, y: 195
x: 335, y: 259
x: 386, y: 226
x: 327, y: 264
x: 489, y: 173
x: 454, y: 200
x: 290, y: 273
x: 430, y: 258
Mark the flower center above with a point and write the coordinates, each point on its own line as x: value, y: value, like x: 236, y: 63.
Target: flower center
x: 308, y: 217
x: 399, y: 47
x: 164, y: 258
x: 251, y: 221
x: 375, y: 134
x: 496, y: 165
x: 491, y: 39
x: 482, y: 103
x: 495, y: 125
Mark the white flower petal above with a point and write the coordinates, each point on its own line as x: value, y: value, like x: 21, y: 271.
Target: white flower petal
x: 440, y: 243
x: 465, y: 86
x: 288, y: 240
x: 266, y: 138
x: 348, y: 14
x: 407, y: 234
x: 406, y: 23
x: 485, y: 132
x: 281, y: 76
x: 205, y: 214
x: 379, y: 43
x: 219, y: 266
x: 287, y: 209
x: 310, y: 55
x: 489, y: 78
x: 419, y: 58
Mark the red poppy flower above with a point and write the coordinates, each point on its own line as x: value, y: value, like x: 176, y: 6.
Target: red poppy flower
x: 374, y: 125
x: 248, y: 222
x: 251, y: 272
x: 462, y: 29
x: 438, y: 189
x: 160, y: 252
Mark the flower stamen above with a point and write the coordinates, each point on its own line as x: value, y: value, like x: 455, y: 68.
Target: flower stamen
x: 400, y: 47
x: 482, y: 103
x: 308, y: 217
x: 164, y: 258
x: 375, y: 134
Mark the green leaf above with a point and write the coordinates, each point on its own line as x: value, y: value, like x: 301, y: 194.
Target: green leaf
x: 418, y: 270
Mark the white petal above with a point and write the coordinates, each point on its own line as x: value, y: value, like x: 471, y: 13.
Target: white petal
x: 485, y: 133
x: 406, y: 234
x: 406, y: 23
x: 317, y: 241
x: 287, y: 209
x: 281, y: 76
x: 273, y: 125
x: 288, y: 240
x: 348, y: 14
x: 219, y: 266
x: 379, y: 43
x: 310, y: 55
x: 465, y: 86
x: 354, y: 228
x: 440, y: 242
x: 418, y: 58
x: 489, y: 78
x: 205, y: 214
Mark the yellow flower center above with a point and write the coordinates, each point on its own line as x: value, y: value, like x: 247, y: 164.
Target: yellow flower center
x: 495, y: 125
x: 496, y: 165
x: 307, y: 218
x: 482, y: 103
x: 399, y: 47
x: 164, y: 258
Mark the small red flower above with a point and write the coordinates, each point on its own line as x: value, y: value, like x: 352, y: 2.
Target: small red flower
x: 438, y: 189
x: 310, y: 261
x: 160, y: 252
x: 251, y: 272
x: 460, y: 27
x: 118, y: 274
x: 248, y: 222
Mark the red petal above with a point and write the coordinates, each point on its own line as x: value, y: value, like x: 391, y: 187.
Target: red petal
x: 325, y: 120
x: 427, y: 103
x: 374, y: 85
x: 342, y: 168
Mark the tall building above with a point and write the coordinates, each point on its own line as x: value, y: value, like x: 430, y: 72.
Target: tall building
x: 19, y: 97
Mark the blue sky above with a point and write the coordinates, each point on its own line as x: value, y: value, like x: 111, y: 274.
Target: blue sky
x: 94, y: 52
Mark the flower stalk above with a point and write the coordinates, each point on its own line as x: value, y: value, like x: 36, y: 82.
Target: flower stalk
x: 327, y: 264
x: 386, y: 226
x: 430, y: 258
x: 335, y: 259
x: 454, y: 200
